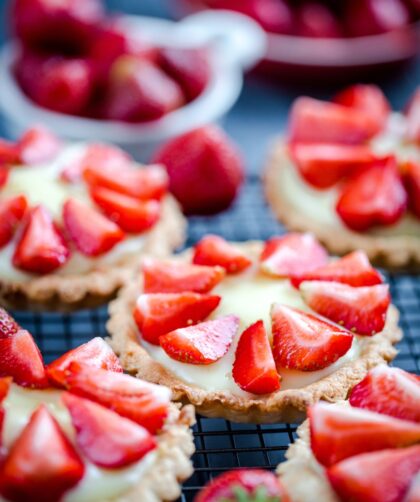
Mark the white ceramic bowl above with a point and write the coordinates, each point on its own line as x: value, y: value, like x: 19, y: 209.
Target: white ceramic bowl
x: 236, y: 44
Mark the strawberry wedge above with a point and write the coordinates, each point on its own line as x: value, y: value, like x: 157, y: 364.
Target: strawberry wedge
x: 12, y: 211
x: 213, y: 250
x: 38, y: 145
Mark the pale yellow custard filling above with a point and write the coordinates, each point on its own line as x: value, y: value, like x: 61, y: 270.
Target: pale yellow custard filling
x: 97, y: 484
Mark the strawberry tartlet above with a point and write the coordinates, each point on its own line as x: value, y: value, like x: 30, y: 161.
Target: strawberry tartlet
x: 74, y: 220
x: 350, y: 173
x: 255, y: 332
x: 80, y: 430
x: 365, y: 449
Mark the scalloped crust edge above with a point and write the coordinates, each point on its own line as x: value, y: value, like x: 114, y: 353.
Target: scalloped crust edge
x: 54, y: 292
x: 391, y: 252
x: 282, y: 406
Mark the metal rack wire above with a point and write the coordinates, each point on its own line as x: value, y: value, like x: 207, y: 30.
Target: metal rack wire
x: 222, y: 445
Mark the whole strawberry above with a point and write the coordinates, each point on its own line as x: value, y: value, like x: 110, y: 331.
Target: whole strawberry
x: 205, y: 170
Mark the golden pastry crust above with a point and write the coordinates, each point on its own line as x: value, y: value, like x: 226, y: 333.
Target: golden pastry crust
x: 65, y: 293
x: 399, y: 251
x: 282, y: 406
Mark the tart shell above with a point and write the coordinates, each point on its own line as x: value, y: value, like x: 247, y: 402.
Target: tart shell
x: 401, y: 251
x: 67, y: 293
x: 282, y: 406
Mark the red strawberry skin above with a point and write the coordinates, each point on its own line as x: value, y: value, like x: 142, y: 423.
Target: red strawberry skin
x: 305, y: 342
x: 412, y: 185
x: 159, y: 313
x: 213, y: 250
x: 391, y: 391
x: 254, y: 369
x: 339, y: 433
x: 375, y: 197
x: 317, y: 21
x: 42, y: 464
x: 362, y: 310
x: 96, y: 353
x: 105, y: 438
x: 12, y: 211
x: 205, y: 170
x: 8, y: 152
x: 205, y: 343
x: 383, y: 476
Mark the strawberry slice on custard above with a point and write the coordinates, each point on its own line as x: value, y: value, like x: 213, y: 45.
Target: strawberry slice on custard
x: 159, y: 313
x: 391, y: 391
x: 362, y: 310
x: 12, y: 211
x: 254, y: 369
x: 38, y: 145
x: 4, y: 389
x: 205, y: 343
x: 4, y: 175
x: 106, y: 438
x: 161, y: 276
x: 412, y: 185
x: 305, y: 342
x: 8, y: 152
x: 213, y: 250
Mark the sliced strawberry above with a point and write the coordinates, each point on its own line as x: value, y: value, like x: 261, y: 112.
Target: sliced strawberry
x: 8, y: 326
x: 412, y: 185
x: 12, y: 211
x: 8, y: 152
x: 42, y: 464
x: 130, y: 214
x: 413, y: 494
x: 314, y: 121
x: 341, y: 432
x: 159, y: 313
x: 213, y: 250
x: 382, y: 476
x: 161, y: 276
x: 4, y: 388
x: 92, y: 233
x: 144, y: 403
x: 391, y: 391
x: 38, y: 145
x: 244, y: 484
x: 4, y: 175
x: 292, y: 254
x: 104, y: 437
x: 41, y: 248
x: 353, y: 269
x: 413, y: 118
x: 324, y: 164
x: 376, y: 196
x: 96, y: 353
x: 254, y: 369
x: 205, y: 343
x: 367, y: 98
x: 305, y: 342
x: 362, y: 310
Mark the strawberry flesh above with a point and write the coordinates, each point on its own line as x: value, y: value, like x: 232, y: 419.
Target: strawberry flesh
x: 412, y: 185
x: 5, y: 383
x: 305, y: 342
x: 12, y: 211
x: 254, y: 369
x: 205, y: 343
x: 8, y: 152
x: 159, y: 313
x: 213, y: 251
x: 4, y: 175
x: 38, y: 145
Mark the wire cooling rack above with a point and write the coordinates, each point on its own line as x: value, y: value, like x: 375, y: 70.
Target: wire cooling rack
x: 222, y: 445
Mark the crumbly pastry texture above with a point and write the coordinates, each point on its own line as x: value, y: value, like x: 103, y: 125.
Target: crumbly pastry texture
x: 281, y: 406
x: 399, y: 251
x: 55, y: 292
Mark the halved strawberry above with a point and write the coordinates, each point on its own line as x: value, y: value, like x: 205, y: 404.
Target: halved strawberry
x: 353, y: 269
x: 292, y: 254
x: 367, y: 98
x: 41, y: 248
x: 96, y: 353
x: 165, y: 276
x: 339, y: 432
x: 12, y: 211
x: 205, y: 343
x: 413, y: 118
x: 362, y: 310
x: 38, y: 145
x: 130, y: 214
x: 8, y: 152
x: 213, y: 250
x: 314, y: 121
x: 4, y: 388
x: 254, y: 369
x: 104, y: 437
x: 304, y: 341
x: 244, y: 484
x: 42, y: 464
x: 391, y: 391
x: 324, y: 164
x: 105, y: 158
x: 8, y: 326
x: 92, y: 233
x: 381, y: 476
x: 159, y: 313
x: 4, y: 175
x: 412, y: 185
x: 375, y: 196
x: 144, y: 403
